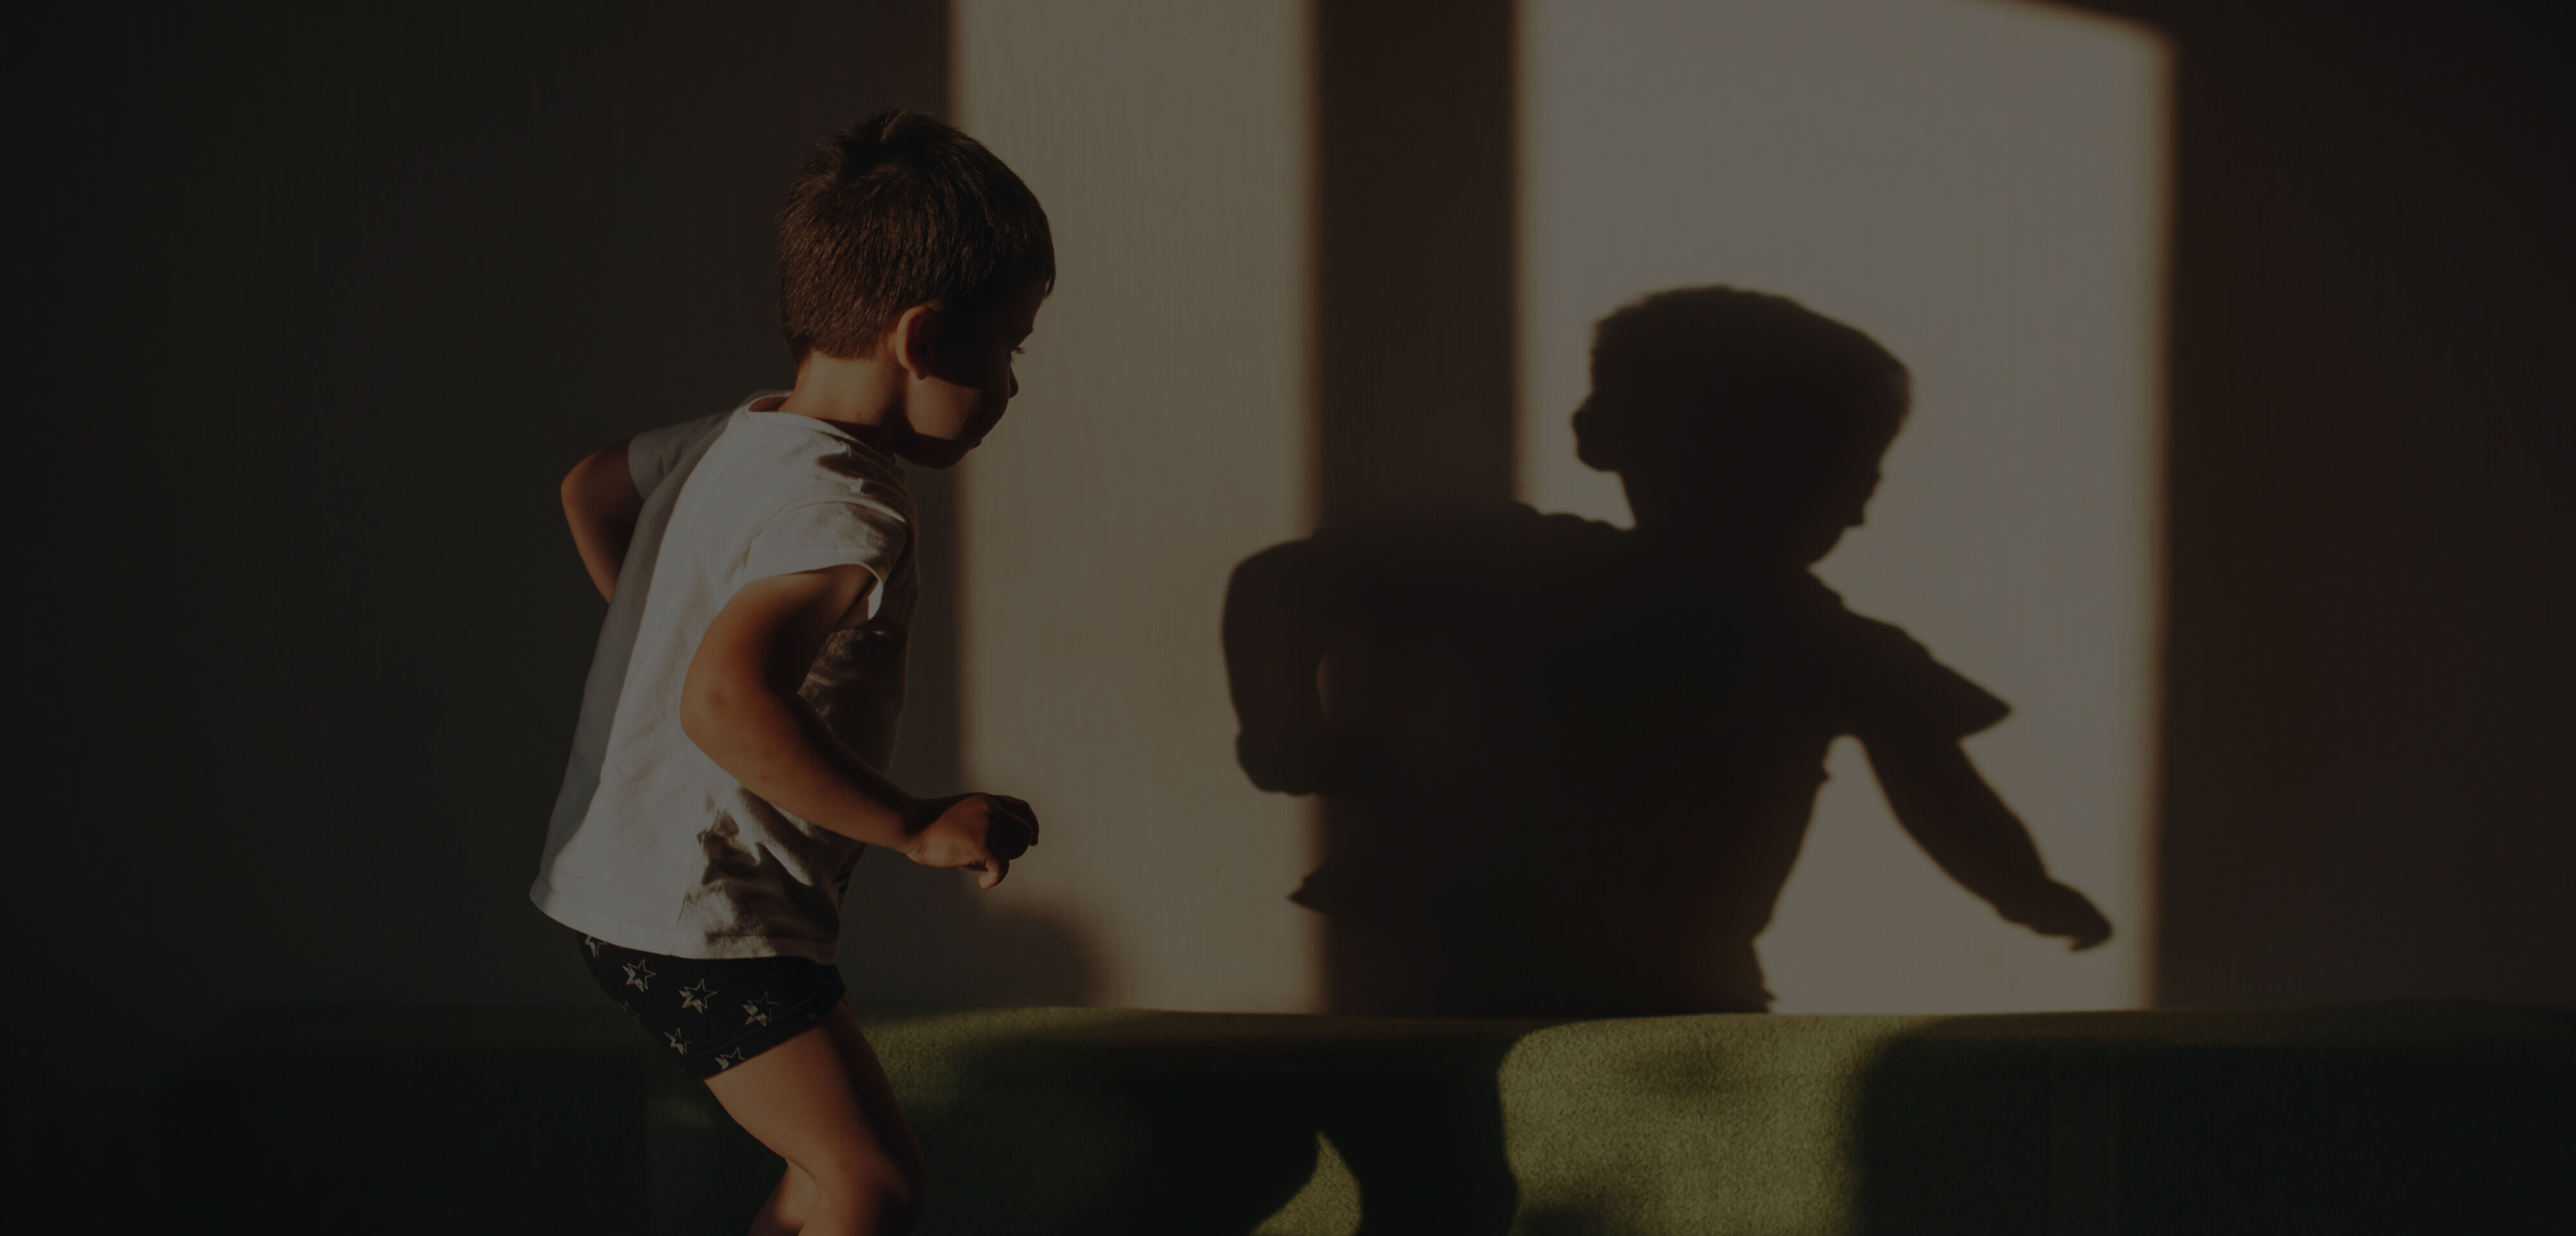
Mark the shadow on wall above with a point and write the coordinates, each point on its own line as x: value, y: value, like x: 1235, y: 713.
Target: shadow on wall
x: 1568, y: 767
x: 912, y: 937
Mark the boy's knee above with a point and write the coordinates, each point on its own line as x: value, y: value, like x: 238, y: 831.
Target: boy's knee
x: 903, y: 1200
x: 896, y: 1210
x: 889, y: 1193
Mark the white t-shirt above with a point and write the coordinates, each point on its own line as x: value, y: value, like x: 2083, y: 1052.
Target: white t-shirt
x: 654, y: 846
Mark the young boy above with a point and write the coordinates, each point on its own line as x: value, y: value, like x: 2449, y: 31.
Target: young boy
x: 760, y: 572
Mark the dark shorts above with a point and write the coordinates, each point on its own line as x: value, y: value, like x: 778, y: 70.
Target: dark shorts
x: 714, y: 1014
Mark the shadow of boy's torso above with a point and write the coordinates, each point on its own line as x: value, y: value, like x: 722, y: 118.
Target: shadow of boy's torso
x: 1570, y: 768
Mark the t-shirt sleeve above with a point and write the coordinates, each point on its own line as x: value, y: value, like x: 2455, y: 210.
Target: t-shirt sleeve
x: 1894, y: 685
x: 652, y: 454
x: 820, y: 535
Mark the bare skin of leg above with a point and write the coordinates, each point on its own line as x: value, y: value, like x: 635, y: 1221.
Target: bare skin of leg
x: 821, y: 1101
x: 788, y: 1205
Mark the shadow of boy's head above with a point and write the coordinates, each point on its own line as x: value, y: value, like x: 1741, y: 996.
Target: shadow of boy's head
x: 1740, y: 421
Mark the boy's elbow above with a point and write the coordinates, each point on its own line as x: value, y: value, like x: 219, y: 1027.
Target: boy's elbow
x: 708, y: 711
x: 578, y: 481
x: 599, y: 489
x: 569, y: 494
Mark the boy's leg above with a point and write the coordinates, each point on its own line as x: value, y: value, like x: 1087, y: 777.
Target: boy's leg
x: 784, y: 1213
x: 821, y: 1101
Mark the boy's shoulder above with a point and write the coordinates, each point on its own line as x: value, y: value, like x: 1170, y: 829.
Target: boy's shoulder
x: 655, y: 454
x: 777, y: 493
x: 787, y: 458
x: 1890, y: 678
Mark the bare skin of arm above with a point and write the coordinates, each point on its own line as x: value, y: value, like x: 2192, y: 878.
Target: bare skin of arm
x: 601, y: 505
x: 739, y: 705
x: 1965, y: 827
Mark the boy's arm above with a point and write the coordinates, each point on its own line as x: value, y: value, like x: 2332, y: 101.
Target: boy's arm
x: 739, y: 704
x: 1960, y: 821
x: 601, y: 505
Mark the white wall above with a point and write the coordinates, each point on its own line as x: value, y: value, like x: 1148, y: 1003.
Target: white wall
x: 1982, y: 187
x: 1160, y: 438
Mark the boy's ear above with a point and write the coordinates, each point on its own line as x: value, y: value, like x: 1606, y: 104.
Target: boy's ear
x: 909, y: 339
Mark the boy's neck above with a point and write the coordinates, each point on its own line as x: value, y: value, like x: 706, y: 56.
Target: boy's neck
x: 863, y: 396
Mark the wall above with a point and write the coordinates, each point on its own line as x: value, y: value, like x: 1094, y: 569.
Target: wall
x: 1981, y: 187
x: 1993, y: 210
x: 1161, y: 436
x: 317, y: 304
x: 2372, y: 523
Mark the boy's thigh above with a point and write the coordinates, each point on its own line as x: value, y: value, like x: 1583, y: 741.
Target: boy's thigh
x: 822, y: 1102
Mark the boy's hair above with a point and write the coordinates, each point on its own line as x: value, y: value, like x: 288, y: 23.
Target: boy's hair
x: 895, y: 211
x: 1707, y: 367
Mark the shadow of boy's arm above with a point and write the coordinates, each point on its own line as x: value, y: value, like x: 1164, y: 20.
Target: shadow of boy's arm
x: 1959, y: 820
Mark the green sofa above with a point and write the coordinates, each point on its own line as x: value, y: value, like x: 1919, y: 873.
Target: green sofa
x: 2411, y: 1117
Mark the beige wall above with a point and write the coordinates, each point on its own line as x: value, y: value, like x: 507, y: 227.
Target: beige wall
x: 1160, y: 438
x: 1980, y: 186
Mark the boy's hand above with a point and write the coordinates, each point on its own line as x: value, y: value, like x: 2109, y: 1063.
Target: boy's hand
x: 2059, y: 910
x: 974, y: 832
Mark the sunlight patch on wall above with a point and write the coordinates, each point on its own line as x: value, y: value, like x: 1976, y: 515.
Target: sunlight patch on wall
x: 1160, y: 438
x: 1982, y: 187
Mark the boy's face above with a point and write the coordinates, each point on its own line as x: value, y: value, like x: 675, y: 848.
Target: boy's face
x: 968, y: 382
x: 1784, y: 502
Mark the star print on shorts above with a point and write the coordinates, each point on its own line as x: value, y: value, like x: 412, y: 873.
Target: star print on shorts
x: 686, y: 1003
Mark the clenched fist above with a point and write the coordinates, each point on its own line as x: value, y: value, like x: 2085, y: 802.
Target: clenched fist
x: 973, y: 832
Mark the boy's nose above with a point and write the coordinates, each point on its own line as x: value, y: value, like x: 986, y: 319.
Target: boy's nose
x: 1015, y: 385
